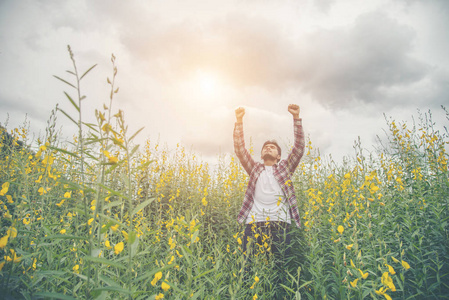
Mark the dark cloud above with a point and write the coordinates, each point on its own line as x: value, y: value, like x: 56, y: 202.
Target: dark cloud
x: 356, y: 64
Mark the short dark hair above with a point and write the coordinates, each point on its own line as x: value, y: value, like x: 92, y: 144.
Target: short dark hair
x: 272, y: 142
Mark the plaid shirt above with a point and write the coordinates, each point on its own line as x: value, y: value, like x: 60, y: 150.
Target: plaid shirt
x: 282, y: 170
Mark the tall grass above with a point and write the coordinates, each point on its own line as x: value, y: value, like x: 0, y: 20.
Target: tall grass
x: 103, y: 218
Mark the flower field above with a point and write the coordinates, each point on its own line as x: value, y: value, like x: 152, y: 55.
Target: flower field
x: 104, y: 218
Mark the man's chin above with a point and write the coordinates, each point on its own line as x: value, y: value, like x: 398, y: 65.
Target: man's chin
x: 268, y: 157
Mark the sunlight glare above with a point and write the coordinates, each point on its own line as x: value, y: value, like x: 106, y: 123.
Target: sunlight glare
x: 207, y: 83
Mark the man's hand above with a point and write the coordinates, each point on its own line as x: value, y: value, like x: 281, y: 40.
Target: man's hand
x: 294, y: 110
x: 239, y: 113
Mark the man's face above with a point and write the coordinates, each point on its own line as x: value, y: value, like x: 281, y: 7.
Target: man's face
x: 270, y: 152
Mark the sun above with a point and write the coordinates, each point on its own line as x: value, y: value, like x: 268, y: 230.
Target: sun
x: 207, y: 83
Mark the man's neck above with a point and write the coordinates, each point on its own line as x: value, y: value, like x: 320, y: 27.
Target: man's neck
x: 269, y: 163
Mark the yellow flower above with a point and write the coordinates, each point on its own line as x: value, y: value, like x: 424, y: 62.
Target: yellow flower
x: 405, y: 265
x: 256, y: 279
x: 41, y: 191
x: 76, y: 268
x: 125, y: 234
x: 395, y: 260
x: 156, y: 278
x: 107, y: 244
x: 388, y: 282
x: 9, y: 199
x: 67, y: 194
x: 4, y: 241
x: 340, y: 229
x: 4, y: 190
x: 12, y: 232
x: 119, y: 248
x: 159, y: 296
x: 63, y: 231
x: 382, y: 292
x: 373, y: 188
x: 115, y: 227
x: 165, y: 286
x: 354, y: 283
x: 364, y: 275
x: 352, y: 264
x: 255, y: 297
x: 111, y: 158
x: 390, y: 269
x: 349, y: 247
x: 204, y: 201
x: 14, y: 258
x: 39, y: 179
x: 26, y: 221
x: 60, y: 203
x: 90, y: 221
x: 1, y: 265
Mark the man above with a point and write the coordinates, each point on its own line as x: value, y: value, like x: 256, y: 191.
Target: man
x: 269, y: 204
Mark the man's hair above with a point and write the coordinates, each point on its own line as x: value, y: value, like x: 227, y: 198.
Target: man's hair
x: 272, y: 142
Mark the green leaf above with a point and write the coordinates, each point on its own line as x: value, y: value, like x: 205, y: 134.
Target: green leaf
x: 109, y: 281
x: 202, y: 274
x: 91, y: 126
x: 54, y: 296
x: 73, y: 102
x: 142, y: 206
x: 146, y: 164
x: 104, y: 261
x: 66, y: 82
x: 113, y: 220
x: 64, y: 151
x: 70, y: 118
x: 151, y: 273
x: 85, y: 73
x: 187, y: 253
x: 113, y: 289
x: 194, y: 236
x: 134, y: 150
x: 131, y: 237
x: 134, y: 135
x: 64, y: 237
x: 287, y: 288
x: 134, y: 240
x: 112, y: 204
x: 113, y: 192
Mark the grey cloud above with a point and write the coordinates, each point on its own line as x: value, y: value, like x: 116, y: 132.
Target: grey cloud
x: 337, y: 67
x: 324, y: 5
x: 354, y: 65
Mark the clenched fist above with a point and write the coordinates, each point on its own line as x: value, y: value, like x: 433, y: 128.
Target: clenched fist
x: 239, y: 113
x: 294, y: 110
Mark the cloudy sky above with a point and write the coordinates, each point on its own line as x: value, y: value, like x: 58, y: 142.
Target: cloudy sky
x: 184, y: 66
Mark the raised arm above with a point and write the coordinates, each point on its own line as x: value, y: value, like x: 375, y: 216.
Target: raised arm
x: 239, y: 142
x: 298, y: 147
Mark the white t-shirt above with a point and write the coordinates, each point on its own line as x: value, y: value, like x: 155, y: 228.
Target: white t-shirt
x: 269, y: 200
